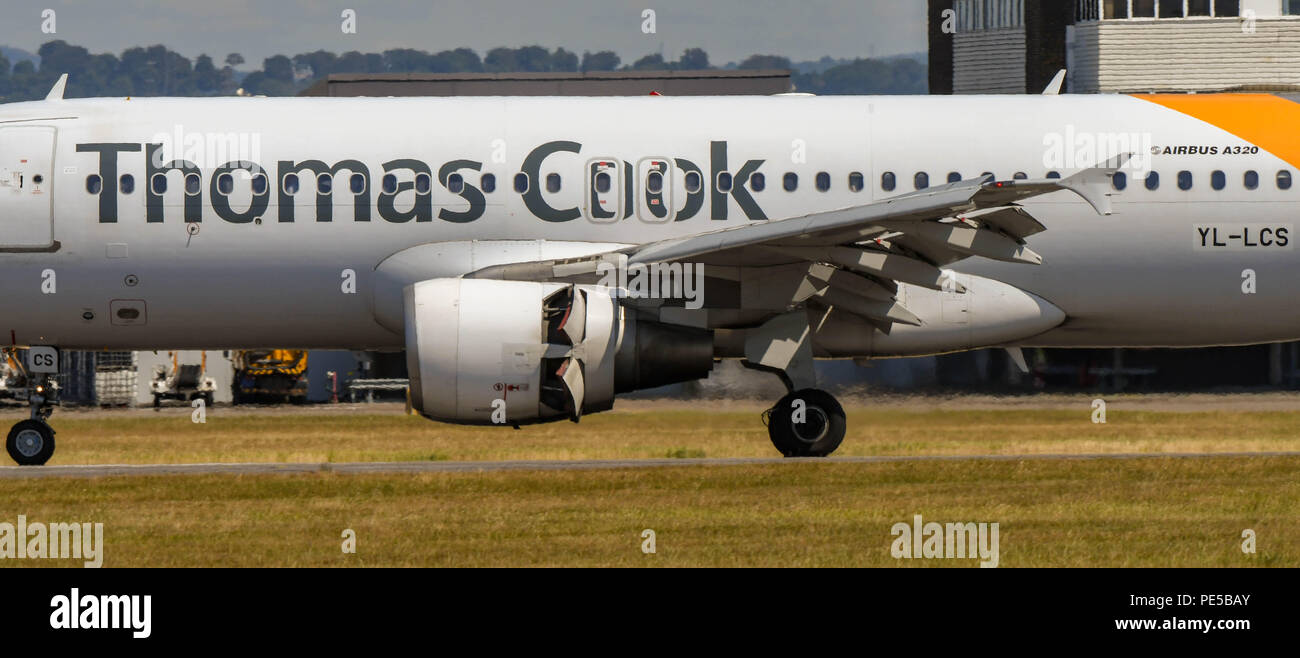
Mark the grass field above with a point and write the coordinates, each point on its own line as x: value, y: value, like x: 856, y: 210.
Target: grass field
x: 1144, y: 512
x: 140, y: 437
x: 1149, y: 512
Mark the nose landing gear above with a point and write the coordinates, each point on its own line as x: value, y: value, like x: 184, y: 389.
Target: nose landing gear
x: 31, y: 442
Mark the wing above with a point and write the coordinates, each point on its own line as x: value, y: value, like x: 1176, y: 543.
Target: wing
x: 855, y: 257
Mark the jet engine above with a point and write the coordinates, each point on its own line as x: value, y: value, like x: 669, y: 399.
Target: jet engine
x: 482, y: 352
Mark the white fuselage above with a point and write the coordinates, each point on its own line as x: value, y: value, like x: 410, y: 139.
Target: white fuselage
x: 262, y: 276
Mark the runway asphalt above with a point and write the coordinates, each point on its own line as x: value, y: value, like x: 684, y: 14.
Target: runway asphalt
x: 120, y: 470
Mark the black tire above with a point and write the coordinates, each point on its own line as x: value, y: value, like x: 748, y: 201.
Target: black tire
x: 821, y: 431
x: 207, y: 399
x: 157, y: 401
x: 30, y: 443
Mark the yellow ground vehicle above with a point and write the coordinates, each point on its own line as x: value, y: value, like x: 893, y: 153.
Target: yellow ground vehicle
x: 268, y: 376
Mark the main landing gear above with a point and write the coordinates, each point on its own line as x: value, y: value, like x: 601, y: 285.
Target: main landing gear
x: 807, y: 422
x: 31, y: 442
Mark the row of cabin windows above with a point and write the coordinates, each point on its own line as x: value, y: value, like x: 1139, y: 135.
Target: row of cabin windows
x: 456, y: 183
x: 1218, y: 180
x: 695, y: 182
x: 291, y: 184
x: 921, y: 181
x: 654, y: 182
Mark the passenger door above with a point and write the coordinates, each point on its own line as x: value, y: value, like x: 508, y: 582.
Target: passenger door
x: 26, y: 182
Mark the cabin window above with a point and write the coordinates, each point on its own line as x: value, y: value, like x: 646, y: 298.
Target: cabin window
x: 823, y: 182
x: 921, y: 180
x: 552, y: 183
x: 158, y: 183
x: 226, y: 184
x: 94, y: 184
x: 1153, y: 181
x: 357, y: 183
x: 954, y: 177
x: 603, y: 182
x: 888, y: 182
x: 856, y: 182
x: 423, y: 183
x: 126, y: 184
x: 456, y: 183
x: 324, y: 183
x: 1284, y: 180
x: 192, y: 184
x: 521, y: 183
x: 694, y: 181
x: 1218, y: 180
x: 989, y: 175
x: 790, y: 182
x: 1054, y: 175
x: 1119, y: 181
x: 1251, y: 180
x: 1184, y: 180
x: 389, y: 184
x: 259, y: 184
x: 1020, y: 175
x: 724, y: 182
x: 489, y: 183
x: 757, y: 182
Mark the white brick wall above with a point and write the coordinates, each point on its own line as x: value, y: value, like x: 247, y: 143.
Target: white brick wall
x: 989, y: 62
x: 1183, y: 55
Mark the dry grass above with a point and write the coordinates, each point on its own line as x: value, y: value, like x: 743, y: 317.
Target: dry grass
x: 1156, y: 512
x: 306, y: 436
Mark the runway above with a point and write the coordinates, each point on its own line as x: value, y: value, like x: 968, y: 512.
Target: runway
x: 128, y: 470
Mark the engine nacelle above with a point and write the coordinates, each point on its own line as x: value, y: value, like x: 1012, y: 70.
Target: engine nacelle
x: 485, y: 352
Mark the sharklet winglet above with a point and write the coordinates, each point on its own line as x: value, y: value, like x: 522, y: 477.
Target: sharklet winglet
x: 1094, y: 184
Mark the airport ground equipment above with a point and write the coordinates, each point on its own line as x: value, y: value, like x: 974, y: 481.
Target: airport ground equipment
x: 269, y: 376
x: 182, y: 381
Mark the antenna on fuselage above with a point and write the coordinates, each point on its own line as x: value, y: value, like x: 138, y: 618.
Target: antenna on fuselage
x: 56, y: 94
x: 1054, y: 87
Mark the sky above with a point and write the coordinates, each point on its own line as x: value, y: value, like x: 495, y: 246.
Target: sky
x: 729, y: 30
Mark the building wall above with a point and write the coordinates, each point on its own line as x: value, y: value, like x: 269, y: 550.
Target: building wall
x: 617, y: 83
x: 940, y: 70
x: 1045, y: 52
x: 1183, y: 55
x: 989, y: 62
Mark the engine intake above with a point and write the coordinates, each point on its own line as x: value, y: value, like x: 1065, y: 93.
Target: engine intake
x: 485, y: 352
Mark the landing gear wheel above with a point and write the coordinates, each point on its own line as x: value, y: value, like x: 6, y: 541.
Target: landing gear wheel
x: 807, y: 423
x: 30, y: 443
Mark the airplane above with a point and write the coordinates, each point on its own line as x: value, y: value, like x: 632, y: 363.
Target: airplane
x: 512, y: 246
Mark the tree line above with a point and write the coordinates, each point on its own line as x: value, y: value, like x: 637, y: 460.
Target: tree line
x: 160, y: 71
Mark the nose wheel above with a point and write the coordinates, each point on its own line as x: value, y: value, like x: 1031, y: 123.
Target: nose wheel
x: 30, y: 442
x: 806, y: 423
